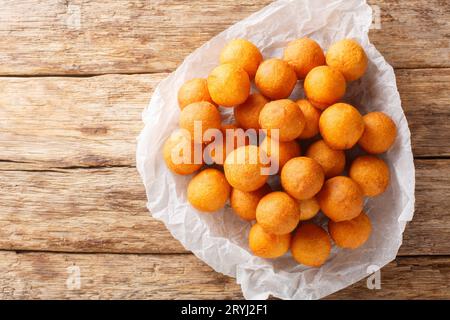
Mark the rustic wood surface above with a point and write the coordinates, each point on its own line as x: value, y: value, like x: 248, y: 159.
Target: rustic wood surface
x: 74, y: 79
x: 88, y: 37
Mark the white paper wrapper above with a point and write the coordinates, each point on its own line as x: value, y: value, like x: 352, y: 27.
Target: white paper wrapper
x: 221, y: 239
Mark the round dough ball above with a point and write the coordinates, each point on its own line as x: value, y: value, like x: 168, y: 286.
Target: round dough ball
x: 228, y: 85
x: 201, y: 114
x: 208, y: 191
x: 278, y: 213
x: 310, y: 245
x: 309, y: 208
x: 303, y: 55
x: 232, y: 138
x: 312, y: 116
x: 242, y: 53
x: 324, y: 86
x: 179, y: 153
x: 332, y: 161
x: 247, y: 114
x: 275, y: 79
x: 341, y: 126
x: 194, y: 90
x: 351, y: 234
x: 302, y: 177
x: 244, y: 203
x: 244, y: 168
x: 284, y: 115
x: 379, y: 133
x: 371, y: 174
x: 340, y: 199
x: 267, y: 245
x: 281, y: 154
x: 348, y: 57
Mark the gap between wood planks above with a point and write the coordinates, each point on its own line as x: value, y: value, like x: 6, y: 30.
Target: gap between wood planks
x: 91, y: 75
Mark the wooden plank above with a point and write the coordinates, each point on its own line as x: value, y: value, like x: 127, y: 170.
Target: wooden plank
x: 57, y: 122
x: 103, y: 210
x: 106, y: 276
x: 60, y: 122
x: 94, y: 210
x: 87, y: 37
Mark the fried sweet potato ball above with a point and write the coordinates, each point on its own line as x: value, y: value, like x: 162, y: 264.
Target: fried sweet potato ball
x: 312, y: 116
x: 194, y: 90
x: 351, y: 234
x: 244, y: 203
x: 302, y: 178
x: 244, y: 168
x: 281, y: 152
x: 278, y: 213
x: 379, y: 133
x: 324, y: 86
x: 303, y: 55
x: 371, y: 174
x: 285, y: 116
x: 228, y: 85
x: 208, y: 191
x: 247, y: 114
x: 310, y: 245
x: 179, y: 151
x: 202, y: 114
x: 348, y: 57
x: 275, y: 79
x: 341, y: 126
x: 332, y: 161
x: 340, y: 199
x: 242, y: 53
x: 267, y: 245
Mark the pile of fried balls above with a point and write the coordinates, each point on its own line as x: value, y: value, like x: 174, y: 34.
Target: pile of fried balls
x: 310, y: 181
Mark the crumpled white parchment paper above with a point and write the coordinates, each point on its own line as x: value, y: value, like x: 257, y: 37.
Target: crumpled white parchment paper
x: 220, y: 239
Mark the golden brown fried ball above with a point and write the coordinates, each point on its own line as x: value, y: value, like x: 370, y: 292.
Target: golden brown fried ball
x: 340, y: 199
x: 267, y: 245
x: 278, y: 213
x: 280, y: 152
x: 371, y: 174
x: 324, y: 86
x: 312, y: 116
x: 351, y: 234
x: 203, y: 113
x: 348, y: 57
x: 284, y: 115
x: 228, y: 85
x: 242, y: 53
x: 179, y: 153
x: 341, y: 126
x: 244, y: 168
x: 232, y: 138
x: 208, y: 191
x: 247, y: 114
x: 379, y: 133
x: 332, y: 161
x: 309, y: 208
x: 275, y: 79
x: 194, y: 90
x: 244, y: 203
x: 302, y: 177
x: 310, y: 245
x: 303, y: 55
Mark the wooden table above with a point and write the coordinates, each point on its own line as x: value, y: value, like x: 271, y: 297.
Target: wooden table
x: 75, y: 76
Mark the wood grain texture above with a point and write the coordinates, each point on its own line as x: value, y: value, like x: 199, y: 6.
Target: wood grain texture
x: 88, y: 37
x: 106, y: 276
x: 103, y: 210
x: 60, y: 122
